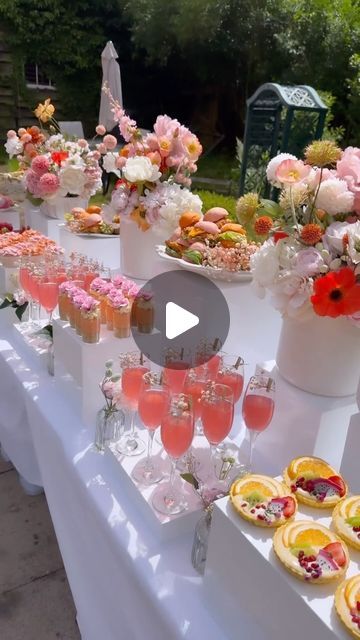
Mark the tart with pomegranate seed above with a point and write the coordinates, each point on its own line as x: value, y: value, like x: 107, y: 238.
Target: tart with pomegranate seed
x: 311, y: 551
x: 315, y: 482
x: 346, y: 520
x: 347, y: 604
x: 263, y: 501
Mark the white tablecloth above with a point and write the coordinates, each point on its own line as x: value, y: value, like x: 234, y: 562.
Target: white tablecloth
x: 126, y: 584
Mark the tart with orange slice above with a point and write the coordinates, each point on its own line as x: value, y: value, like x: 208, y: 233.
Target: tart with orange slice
x: 346, y: 520
x: 315, y: 482
x: 262, y: 500
x: 311, y: 551
x: 347, y: 604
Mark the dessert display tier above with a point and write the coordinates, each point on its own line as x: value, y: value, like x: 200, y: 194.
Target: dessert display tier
x: 104, y: 248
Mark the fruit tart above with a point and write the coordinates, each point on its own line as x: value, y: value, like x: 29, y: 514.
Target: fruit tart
x: 311, y: 551
x: 315, y: 482
x: 347, y: 604
x: 262, y: 500
x: 346, y: 520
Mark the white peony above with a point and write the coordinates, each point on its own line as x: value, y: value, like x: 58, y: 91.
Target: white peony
x: 334, y: 197
x: 140, y: 169
x: 265, y: 267
x: 334, y: 235
x: 13, y: 146
x: 353, y: 248
x: 72, y: 180
x: 308, y: 262
x: 273, y: 165
x: 291, y: 294
x: 109, y: 165
x: 165, y: 204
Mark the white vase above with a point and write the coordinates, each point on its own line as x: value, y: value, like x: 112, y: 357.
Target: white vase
x: 57, y: 207
x: 139, y: 259
x: 320, y: 355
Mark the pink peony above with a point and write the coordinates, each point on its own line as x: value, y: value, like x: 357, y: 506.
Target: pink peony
x: 165, y: 126
x: 82, y: 143
x: 100, y: 130
x: 102, y: 148
x: 32, y: 183
x: 48, y: 184
x: 110, y: 142
x: 334, y: 197
x: 11, y: 133
x: 292, y: 171
x: 348, y: 168
x: 40, y: 165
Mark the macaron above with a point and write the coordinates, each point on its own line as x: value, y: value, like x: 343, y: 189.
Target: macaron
x: 91, y: 220
x: 188, y: 219
x: 215, y: 214
x: 207, y: 227
x: 233, y: 226
x: 198, y: 246
x: 93, y: 209
x: 78, y: 212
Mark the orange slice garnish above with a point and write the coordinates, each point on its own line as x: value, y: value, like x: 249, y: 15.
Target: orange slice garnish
x: 315, y: 466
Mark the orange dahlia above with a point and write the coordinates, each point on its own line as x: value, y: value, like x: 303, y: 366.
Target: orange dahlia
x: 263, y: 225
x: 311, y: 234
x: 336, y: 294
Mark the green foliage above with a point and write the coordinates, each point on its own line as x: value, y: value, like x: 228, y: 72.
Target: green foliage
x: 211, y: 199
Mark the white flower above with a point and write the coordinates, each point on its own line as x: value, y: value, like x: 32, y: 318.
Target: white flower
x: 109, y: 165
x: 333, y: 237
x: 334, y: 197
x: 265, y: 267
x: 72, y: 180
x: 308, y: 262
x: 273, y: 165
x: 20, y: 297
x: 140, y: 169
x: 291, y: 294
x: 13, y: 146
x: 353, y: 248
x: 165, y: 204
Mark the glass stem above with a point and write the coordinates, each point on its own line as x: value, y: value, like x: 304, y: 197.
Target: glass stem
x: 132, y: 425
x: 172, y: 477
x: 30, y: 307
x: 148, y: 464
x: 213, y: 448
x: 50, y: 317
x: 252, y: 438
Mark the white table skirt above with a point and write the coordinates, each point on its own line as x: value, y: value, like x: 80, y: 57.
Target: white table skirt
x: 126, y: 584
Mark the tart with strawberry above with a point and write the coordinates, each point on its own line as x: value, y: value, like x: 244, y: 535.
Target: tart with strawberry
x: 347, y: 604
x: 263, y: 501
x: 346, y: 520
x: 315, y: 482
x: 311, y: 551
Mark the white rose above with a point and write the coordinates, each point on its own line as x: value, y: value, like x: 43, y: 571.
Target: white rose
x: 13, y: 146
x: 140, y: 169
x: 354, y: 242
x: 334, y: 197
x: 109, y: 165
x: 334, y: 234
x: 72, y: 180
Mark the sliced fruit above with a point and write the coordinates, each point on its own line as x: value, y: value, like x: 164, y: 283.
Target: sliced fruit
x: 345, y: 506
x: 354, y: 507
x: 312, y: 536
x: 339, y: 483
x: 353, y: 522
x: 308, y: 551
x: 284, y: 505
x: 253, y: 498
x: 309, y: 465
x: 326, y: 562
x: 337, y: 552
x: 352, y: 591
x: 322, y: 488
x: 262, y: 484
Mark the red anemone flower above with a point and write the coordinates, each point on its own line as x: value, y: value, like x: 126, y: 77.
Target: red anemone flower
x: 336, y: 294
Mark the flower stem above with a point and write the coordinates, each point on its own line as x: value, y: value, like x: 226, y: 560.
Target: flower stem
x: 293, y: 212
x: 316, y: 195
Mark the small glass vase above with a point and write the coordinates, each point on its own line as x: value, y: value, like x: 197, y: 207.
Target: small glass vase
x: 109, y: 427
x: 201, y: 540
x: 50, y: 360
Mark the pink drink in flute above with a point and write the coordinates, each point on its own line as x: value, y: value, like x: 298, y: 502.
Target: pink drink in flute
x: 48, y: 296
x: 177, y: 432
x: 134, y: 365
x: 153, y: 401
x: 175, y: 375
x: 195, y: 383
x: 258, y: 408
x: 217, y: 413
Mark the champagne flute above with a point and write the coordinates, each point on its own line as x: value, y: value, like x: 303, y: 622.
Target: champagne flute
x: 231, y: 373
x: 177, y: 432
x: 48, y: 295
x: 217, y: 414
x: 134, y: 365
x: 153, y: 401
x: 258, y: 408
x: 195, y: 383
x: 208, y: 354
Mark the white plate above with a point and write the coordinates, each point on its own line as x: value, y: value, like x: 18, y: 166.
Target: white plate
x: 93, y: 235
x: 209, y: 272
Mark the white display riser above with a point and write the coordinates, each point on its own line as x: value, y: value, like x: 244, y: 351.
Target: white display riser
x: 13, y: 216
x: 35, y: 344
x: 9, y: 279
x: 47, y: 226
x: 244, y: 577
x: 106, y: 249
x: 85, y: 363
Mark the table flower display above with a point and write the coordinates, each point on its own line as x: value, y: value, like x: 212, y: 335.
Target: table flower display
x: 152, y: 192
x: 310, y: 264
x: 92, y: 220
x: 56, y: 169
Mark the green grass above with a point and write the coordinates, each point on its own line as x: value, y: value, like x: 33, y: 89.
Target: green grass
x: 218, y: 166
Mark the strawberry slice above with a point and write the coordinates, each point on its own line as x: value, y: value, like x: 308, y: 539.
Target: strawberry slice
x: 339, y: 483
x: 337, y: 552
x: 290, y: 507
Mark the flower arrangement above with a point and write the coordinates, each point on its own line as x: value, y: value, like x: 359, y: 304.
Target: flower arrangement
x: 53, y: 165
x: 310, y: 260
x: 17, y: 301
x: 154, y: 171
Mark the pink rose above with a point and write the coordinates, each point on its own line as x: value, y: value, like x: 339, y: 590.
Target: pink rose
x: 40, y: 165
x: 96, y: 155
x: 48, y: 184
x: 100, y: 130
x: 110, y: 142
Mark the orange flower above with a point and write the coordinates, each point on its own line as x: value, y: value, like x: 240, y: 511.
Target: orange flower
x: 336, y: 294
x: 263, y: 225
x: 124, y: 152
x: 311, y: 234
x: 138, y: 215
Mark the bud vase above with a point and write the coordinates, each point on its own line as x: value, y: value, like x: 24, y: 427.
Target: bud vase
x: 320, y: 355
x: 109, y: 427
x: 201, y: 541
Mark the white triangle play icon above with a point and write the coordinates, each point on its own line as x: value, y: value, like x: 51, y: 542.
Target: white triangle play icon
x: 178, y: 320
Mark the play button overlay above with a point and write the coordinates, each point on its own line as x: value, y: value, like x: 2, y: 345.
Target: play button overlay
x: 178, y: 320
x: 189, y: 317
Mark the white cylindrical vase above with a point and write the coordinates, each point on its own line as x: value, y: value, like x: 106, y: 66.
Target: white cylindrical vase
x: 320, y: 355
x: 139, y: 259
x: 57, y: 207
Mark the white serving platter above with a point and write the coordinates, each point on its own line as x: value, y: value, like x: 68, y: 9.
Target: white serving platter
x: 209, y: 272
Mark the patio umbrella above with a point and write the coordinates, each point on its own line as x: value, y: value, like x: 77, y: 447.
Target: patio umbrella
x: 111, y: 75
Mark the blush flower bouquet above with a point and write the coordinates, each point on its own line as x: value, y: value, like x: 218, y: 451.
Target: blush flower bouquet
x: 310, y: 260
x: 154, y: 171
x: 53, y: 165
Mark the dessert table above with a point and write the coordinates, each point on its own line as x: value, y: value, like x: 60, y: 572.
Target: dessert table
x: 125, y: 582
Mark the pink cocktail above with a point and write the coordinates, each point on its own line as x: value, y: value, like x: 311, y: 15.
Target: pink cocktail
x: 258, y: 407
x: 177, y: 434
x: 232, y: 379
x: 131, y: 382
x: 217, y: 413
x: 24, y: 278
x: 175, y: 375
x: 48, y: 296
x: 134, y: 366
x: 194, y: 386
